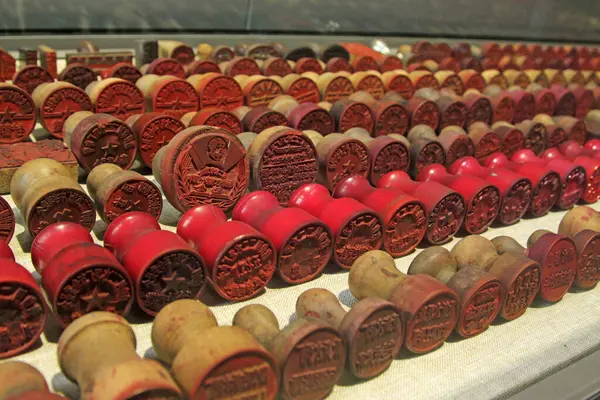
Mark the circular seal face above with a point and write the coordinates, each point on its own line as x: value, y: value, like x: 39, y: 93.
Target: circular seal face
x: 176, y: 99
x: 276, y: 66
x: 480, y: 309
x: 79, y: 75
x: 535, y: 139
x: 445, y: 219
x: 546, y: 103
x: 476, y: 81
x: 133, y: 195
x: 307, y: 64
x: 7, y: 221
x: 455, y: 114
x: 584, y: 103
x: 405, y: 229
x: 521, y: 292
x: 244, y: 268
x: 183, y: 54
x: 225, y: 120
x: 559, y: 266
x: 431, y: 153
x: 223, y: 54
x: 505, y: 110
x: 373, y: 339
x: 107, y: 142
x: 166, y: 66
x: 173, y: 276
x: 59, y: 106
x: 489, y: 144
x: 592, y: 187
x: 355, y: 115
x: 512, y: 141
x: 286, y: 163
x: 525, y: 108
x: 402, y: 85
x: 555, y: 136
x: 480, y: 111
x: 372, y: 84
x: 482, y: 210
x: 432, y: 324
x: 156, y: 134
x: 515, y: 202
x: 22, y: 318
x: 242, y: 66
x: 98, y: 288
x: 61, y: 205
x: 365, y: 63
x: 349, y: 158
x: 313, y: 366
x: 268, y: 119
x: 426, y: 113
x: 338, y: 64
x: 572, y: 188
x: 211, y: 169
x: 262, y: 51
x: 221, y: 92
x: 121, y: 100
x: 360, y: 234
x: 125, y: 71
x: 426, y: 81
x: 545, y: 194
x: 203, y: 67
x: 304, y: 90
x: 305, y: 254
x: 455, y: 83
x: 339, y: 88
x: 461, y: 146
x: 261, y: 93
x: 30, y: 77
x: 578, y: 132
x: 566, y: 105
x: 390, y: 63
x: 316, y: 120
x: 588, y: 269
x: 392, y: 157
x: 17, y: 115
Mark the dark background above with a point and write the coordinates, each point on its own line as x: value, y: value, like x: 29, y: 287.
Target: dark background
x: 576, y: 20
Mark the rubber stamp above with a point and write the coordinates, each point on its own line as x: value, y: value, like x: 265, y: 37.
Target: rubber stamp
x: 168, y: 95
x: 152, y: 132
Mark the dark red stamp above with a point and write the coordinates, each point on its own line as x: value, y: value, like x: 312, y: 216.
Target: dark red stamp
x: 119, y: 98
x: 166, y: 66
x: 59, y: 104
x: 30, y: 77
x: 305, y: 90
x: 17, y: 114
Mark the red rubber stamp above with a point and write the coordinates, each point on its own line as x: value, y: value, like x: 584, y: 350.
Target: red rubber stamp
x: 444, y: 207
x: 30, y: 77
x: 368, y: 82
x: 168, y: 95
x: 482, y: 199
x: 398, y: 82
x: 281, y: 160
x: 152, y: 132
x: 302, y: 242
x: 123, y: 71
x: 78, y: 276
x: 45, y: 192
x: 575, y: 129
x: 23, y: 306
x: 351, y: 114
x: 423, y: 149
x: 472, y: 79
x: 214, y: 117
x: 56, y: 102
x: 163, y: 267
x: 545, y: 102
x: 423, y: 112
x: 512, y: 138
x: 584, y: 98
x: 116, y: 192
x: 202, y: 165
x: 302, y: 88
x: 573, y: 177
x: 259, y: 90
x: 356, y: 228
x: 453, y: 112
x: 387, y: 153
x: 486, y: 141
x: 338, y: 64
x: 116, y: 97
x: 96, y: 139
x: 165, y: 66
x: 216, y: 90
x: 404, y: 217
x: 515, y: 190
x: 389, y: 117
x: 241, y: 66
x: 524, y: 105
x: 311, y: 117
x: 535, y: 135
x: 17, y: 114
x: 479, y: 109
x: 260, y: 118
x: 546, y: 183
x: 307, y: 64
x: 275, y: 66
x: 390, y: 63
x: 334, y: 87
x: 79, y: 75
x: 450, y: 80
x: 339, y: 157
x: 566, y: 103
x: 240, y: 260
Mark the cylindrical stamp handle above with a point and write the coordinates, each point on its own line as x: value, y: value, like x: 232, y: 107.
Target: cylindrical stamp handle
x: 259, y: 321
x: 177, y: 324
x: 254, y: 207
x: 17, y: 379
x: 98, y: 175
x: 374, y: 274
x: 321, y: 304
x: 312, y: 198
x: 123, y: 231
x: 193, y: 232
x: 54, y: 238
